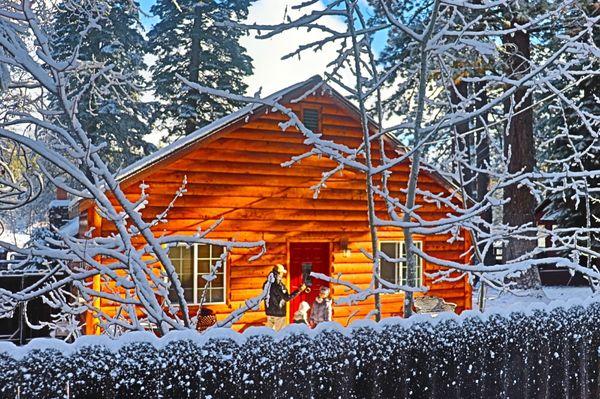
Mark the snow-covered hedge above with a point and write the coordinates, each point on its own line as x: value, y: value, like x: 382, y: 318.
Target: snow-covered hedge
x: 544, y: 352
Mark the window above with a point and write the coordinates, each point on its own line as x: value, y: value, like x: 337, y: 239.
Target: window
x: 209, y: 255
x: 310, y: 119
x: 396, y: 272
x: 182, y: 258
x: 191, y: 264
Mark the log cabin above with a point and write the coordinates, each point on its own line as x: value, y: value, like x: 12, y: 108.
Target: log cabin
x: 233, y: 171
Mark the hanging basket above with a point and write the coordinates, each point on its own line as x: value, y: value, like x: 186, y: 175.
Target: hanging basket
x: 206, y: 319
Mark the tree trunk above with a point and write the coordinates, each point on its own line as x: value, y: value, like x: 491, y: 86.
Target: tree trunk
x: 519, y: 148
x: 190, y: 123
x: 464, y: 142
x: 413, y: 177
x: 482, y: 181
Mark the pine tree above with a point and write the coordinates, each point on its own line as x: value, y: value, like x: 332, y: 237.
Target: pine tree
x: 111, y: 114
x: 568, y: 206
x: 190, y: 40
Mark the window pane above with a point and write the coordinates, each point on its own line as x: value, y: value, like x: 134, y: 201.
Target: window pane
x: 181, y: 257
x: 175, y: 252
x: 203, y: 251
x: 188, y: 294
x: 404, y: 273
x: 203, y: 266
x: 209, y: 255
x: 389, y: 248
x: 219, y: 281
x: 186, y: 251
x: 388, y: 272
x: 186, y: 266
x: 202, y: 282
x: 217, y: 295
x: 217, y: 251
x: 187, y: 280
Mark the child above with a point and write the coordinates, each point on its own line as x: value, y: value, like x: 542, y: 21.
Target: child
x: 301, y: 315
x: 322, y: 309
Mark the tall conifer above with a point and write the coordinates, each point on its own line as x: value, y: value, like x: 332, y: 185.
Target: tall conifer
x: 111, y: 112
x: 190, y: 40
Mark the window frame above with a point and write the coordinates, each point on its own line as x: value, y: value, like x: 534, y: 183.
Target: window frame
x: 398, y: 269
x: 196, y: 275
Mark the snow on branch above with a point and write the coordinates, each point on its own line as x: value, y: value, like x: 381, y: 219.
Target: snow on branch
x: 122, y: 256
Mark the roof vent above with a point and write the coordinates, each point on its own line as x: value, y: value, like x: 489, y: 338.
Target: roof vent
x: 310, y: 119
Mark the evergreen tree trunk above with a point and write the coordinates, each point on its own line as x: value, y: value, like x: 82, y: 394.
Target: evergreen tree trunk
x: 519, y: 148
x: 190, y: 123
x: 464, y: 142
x: 482, y: 181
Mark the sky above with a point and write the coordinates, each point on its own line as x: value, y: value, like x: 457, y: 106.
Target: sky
x: 271, y: 73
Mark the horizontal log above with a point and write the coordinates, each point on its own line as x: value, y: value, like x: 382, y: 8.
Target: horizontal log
x: 289, y: 149
x: 261, y: 131
x: 287, y: 200
x: 241, y: 155
x: 353, y: 257
x: 350, y: 137
x: 266, y: 259
x: 246, y: 283
x: 355, y: 192
x: 250, y: 271
x: 257, y: 169
x: 242, y: 295
x: 226, y: 155
x: 249, y: 146
x: 326, y: 120
x: 273, y: 203
x: 258, y: 214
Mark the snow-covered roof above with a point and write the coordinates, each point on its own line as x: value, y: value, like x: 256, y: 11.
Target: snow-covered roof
x: 207, y: 130
x: 313, y: 83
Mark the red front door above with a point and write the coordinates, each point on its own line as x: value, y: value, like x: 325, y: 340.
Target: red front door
x: 307, y: 255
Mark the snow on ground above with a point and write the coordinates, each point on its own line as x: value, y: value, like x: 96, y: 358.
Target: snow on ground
x: 498, y: 301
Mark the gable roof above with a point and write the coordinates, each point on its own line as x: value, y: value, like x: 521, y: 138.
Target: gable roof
x: 309, y: 86
x: 313, y: 83
x: 293, y: 93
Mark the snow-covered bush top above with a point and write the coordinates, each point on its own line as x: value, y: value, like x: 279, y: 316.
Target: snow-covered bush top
x: 546, y: 351
x: 201, y: 339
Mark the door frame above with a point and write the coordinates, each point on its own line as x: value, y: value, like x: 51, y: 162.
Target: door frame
x: 288, y: 264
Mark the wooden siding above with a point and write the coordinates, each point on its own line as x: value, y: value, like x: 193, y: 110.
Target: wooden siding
x: 237, y: 175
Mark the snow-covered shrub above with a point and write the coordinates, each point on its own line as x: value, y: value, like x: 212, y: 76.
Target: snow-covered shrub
x: 294, y: 375
x: 533, y: 353
x: 43, y: 374
x: 138, y: 373
x: 256, y: 366
x: 218, y: 376
x: 332, y: 372
x: 8, y: 376
x: 183, y: 365
x: 91, y: 368
x: 367, y: 361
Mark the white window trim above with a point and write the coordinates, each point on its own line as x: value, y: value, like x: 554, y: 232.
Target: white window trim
x: 196, y: 276
x: 398, y: 266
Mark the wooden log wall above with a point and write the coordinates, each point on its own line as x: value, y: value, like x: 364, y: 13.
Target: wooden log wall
x: 237, y: 175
